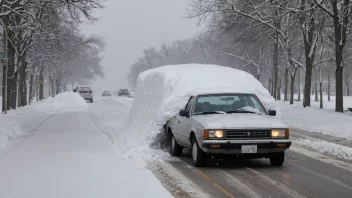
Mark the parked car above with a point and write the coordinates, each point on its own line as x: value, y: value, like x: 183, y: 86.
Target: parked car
x: 106, y: 93
x: 228, y: 124
x: 123, y: 92
x: 85, y: 92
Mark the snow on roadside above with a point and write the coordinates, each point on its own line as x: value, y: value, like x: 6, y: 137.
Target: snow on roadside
x: 313, y: 119
x: 342, y: 152
x: 25, y: 119
x: 160, y: 93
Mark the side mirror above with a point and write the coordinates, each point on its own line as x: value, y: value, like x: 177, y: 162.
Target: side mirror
x: 272, y: 112
x: 184, y: 113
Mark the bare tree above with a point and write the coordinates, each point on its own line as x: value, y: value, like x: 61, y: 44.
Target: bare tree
x: 339, y: 12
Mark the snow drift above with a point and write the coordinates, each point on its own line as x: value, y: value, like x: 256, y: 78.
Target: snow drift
x: 160, y: 93
x: 23, y: 120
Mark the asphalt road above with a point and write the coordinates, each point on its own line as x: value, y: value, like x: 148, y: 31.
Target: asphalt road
x: 301, y: 176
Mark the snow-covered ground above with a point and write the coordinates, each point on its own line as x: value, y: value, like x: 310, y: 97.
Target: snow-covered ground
x: 313, y: 119
x: 68, y: 155
x: 25, y: 119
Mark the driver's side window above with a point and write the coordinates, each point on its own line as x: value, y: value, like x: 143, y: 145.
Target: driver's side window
x: 189, y: 105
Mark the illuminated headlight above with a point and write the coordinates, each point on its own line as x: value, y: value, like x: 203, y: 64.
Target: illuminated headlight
x: 216, y: 134
x: 280, y: 133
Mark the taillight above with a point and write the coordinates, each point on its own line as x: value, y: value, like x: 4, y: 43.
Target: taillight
x: 90, y: 91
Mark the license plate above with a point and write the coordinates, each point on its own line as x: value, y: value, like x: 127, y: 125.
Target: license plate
x: 249, y: 149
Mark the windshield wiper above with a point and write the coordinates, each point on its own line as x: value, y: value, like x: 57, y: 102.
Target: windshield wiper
x: 210, y: 112
x: 241, y: 111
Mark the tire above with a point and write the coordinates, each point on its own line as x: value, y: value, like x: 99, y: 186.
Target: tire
x: 277, y: 159
x: 91, y: 100
x: 175, y: 149
x: 199, y: 158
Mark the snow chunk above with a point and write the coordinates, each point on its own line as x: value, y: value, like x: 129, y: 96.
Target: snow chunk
x: 25, y: 119
x: 160, y: 93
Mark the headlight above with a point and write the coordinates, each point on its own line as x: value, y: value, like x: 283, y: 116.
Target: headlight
x: 279, y: 133
x: 216, y: 134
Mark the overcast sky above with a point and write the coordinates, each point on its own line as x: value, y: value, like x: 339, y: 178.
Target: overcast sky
x: 130, y: 26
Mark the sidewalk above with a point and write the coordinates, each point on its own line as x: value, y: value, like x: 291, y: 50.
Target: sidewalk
x: 68, y: 157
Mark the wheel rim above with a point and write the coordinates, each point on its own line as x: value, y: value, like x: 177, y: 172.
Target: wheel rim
x: 173, y: 143
x: 194, y: 152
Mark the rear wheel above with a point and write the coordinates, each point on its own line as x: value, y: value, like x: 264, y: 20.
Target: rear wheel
x: 199, y: 158
x: 176, y: 149
x: 277, y: 159
x: 91, y: 100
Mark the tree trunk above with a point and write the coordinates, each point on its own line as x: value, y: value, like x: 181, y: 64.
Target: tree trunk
x: 49, y: 87
x: 292, y: 88
x: 41, y: 85
x: 329, y: 86
x: 308, y: 48
x: 270, y: 86
x: 4, y: 108
x: 286, y: 85
x: 57, y: 85
x: 299, y: 84
x: 348, y: 88
x: 23, y: 82
x: 339, y: 88
x: 276, y: 64
x: 52, y: 83
x: 279, y: 90
x: 308, y: 83
x: 321, y: 94
x: 31, y: 89
x: 11, y: 79
x: 316, y: 88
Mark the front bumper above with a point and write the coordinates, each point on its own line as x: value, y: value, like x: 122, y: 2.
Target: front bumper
x: 234, y: 146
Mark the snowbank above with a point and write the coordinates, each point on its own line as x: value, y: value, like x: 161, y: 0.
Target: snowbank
x: 23, y: 120
x: 160, y: 93
x: 324, y: 121
x: 322, y: 146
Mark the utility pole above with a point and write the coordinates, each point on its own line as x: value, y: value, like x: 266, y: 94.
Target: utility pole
x: 4, y: 71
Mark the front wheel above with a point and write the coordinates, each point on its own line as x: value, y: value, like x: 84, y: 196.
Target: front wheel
x: 277, y: 159
x: 176, y: 149
x: 198, y: 156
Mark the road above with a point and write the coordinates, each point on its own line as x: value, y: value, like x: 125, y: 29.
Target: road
x: 71, y: 148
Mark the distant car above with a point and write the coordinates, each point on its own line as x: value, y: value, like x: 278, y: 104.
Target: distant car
x: 106, y: 93
x: 123, y: 92
x: 228, y: 124
x: 85, y: 92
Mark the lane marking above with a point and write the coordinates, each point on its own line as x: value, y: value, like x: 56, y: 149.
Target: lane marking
x: 281, y: 186
x: 214, y: 183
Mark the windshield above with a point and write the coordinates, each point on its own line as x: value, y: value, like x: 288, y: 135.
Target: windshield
x: 228, y: 103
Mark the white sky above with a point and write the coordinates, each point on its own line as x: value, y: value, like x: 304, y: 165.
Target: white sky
x: 130, y: 27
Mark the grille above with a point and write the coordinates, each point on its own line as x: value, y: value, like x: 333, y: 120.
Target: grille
x: 246, y: 134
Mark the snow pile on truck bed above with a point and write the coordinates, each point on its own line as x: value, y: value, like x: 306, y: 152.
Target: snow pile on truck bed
x: 160, y: 93
x: 23, y: 120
